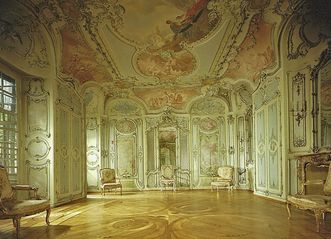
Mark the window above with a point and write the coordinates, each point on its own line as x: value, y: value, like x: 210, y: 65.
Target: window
x: 8, y: 125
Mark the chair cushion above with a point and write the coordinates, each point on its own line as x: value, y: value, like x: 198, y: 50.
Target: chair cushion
x: 310, y: 201
x: 25, y: 207
x: 6, y: 192
x: 220, y: 183
x: 111, y: 185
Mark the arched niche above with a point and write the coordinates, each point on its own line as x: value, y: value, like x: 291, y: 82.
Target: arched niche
x: 167, y: 137
x: 122, y: 139
x: 209, y: 138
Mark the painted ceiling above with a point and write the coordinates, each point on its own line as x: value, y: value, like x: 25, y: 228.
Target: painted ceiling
x: 164, y: 51
x: 167, y: 43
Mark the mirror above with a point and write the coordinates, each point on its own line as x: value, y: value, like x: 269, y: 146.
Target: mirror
x: 321, y: 105
x: 325, y: 104
x: 167, y: 146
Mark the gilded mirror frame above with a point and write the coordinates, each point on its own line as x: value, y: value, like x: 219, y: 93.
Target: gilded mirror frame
x: 324, y: 59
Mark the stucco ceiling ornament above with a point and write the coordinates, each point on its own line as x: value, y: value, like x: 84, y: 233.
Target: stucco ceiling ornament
x: 20, y: 33
x: 208, y: 106
x: 220, y: 90
x: 309, y: 25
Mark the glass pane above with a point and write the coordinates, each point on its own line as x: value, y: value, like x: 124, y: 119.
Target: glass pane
x: 8, y: 126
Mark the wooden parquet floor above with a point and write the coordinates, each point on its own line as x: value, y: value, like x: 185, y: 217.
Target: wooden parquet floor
x: 199, y: 214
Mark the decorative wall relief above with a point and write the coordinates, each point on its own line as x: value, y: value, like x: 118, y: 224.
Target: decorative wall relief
x: 223, y: 141
x: 151, y: 157
x: 126, y: 148
x: 241, y: 142
x: 209, y: 106
x: 37, y: 134
x: 67, y: 97
x: 260, y: 138
x: 273, y: 151
x: 39, y: 176
x: 126, y: 155
x: 208, y: 125
x: 309, y: 25
x: 21, y: 37
x: 267, y: 91
x: 62, y: 159
x: 298, y: 109
x: 77, y: 161
x: 268, y: 152
x: 206, y: 134
x: 38, y: 149
x: 231, y: 139
x: 37, y: 105
x: 124, y: 107
x: 93, y: 160
x: 93, y: 157
x: 91, y: 101
x: 209, y: 160
x: 125, y: 126
x: 69, y: 148
x: 92, y: 132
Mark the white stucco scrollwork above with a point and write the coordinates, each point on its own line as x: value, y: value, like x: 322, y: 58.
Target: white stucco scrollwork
x: 38, y: 148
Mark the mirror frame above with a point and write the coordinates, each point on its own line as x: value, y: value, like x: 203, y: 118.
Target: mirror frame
x: 325, y: 57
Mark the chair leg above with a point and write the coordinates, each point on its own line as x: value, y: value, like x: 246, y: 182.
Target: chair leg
x: 17, y: 222
x: 318, y: 215
x: 288, y: 211
x: 48, y: 213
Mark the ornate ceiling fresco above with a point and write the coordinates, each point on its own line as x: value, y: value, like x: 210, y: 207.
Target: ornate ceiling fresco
x: 163, y: 51
x: 168, y: 43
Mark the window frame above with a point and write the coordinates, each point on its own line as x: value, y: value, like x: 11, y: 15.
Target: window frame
x: 9, y: 125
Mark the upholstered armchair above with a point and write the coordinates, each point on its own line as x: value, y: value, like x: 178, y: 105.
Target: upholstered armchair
x: 319, y: 204
x: 11, y: 208
x: 224, y: 178
x: 168, y: 176
x: 109, y: 180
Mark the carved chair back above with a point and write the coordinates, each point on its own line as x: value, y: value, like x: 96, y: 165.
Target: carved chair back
x: 168, y: 172
x: 107, y: 175
x: 6, y: 192
x: 225, y: 172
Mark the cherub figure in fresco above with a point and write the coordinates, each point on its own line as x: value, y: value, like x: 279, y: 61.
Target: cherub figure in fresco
x: 184, y: 22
